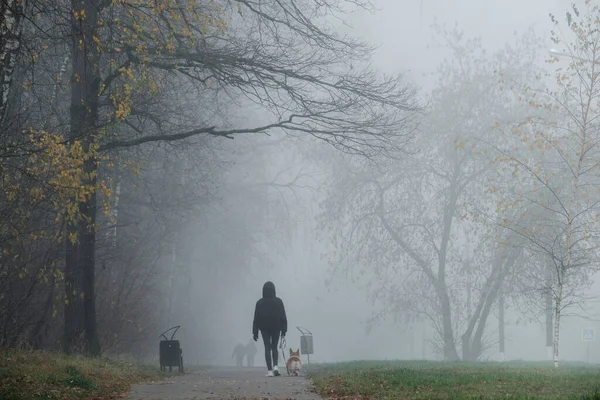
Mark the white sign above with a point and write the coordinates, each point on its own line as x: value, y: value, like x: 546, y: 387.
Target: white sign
x: 588, y: 335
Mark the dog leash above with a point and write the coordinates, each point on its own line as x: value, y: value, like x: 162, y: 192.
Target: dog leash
x: 282, y: 344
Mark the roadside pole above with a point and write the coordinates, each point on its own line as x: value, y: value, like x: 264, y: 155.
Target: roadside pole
x: 588, y: 336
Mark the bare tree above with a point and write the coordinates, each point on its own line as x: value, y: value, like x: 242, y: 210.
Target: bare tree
x: 412, y: 224
x: 106, y: 82
x: 119, y: 56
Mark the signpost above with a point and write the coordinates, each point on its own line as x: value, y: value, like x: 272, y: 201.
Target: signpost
x: 588, y: 335
x: 306, y: 343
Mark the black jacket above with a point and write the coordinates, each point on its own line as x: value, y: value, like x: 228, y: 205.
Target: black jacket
x: 269, y: 314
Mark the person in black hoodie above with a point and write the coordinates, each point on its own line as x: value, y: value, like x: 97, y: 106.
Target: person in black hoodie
x: 271, y: 321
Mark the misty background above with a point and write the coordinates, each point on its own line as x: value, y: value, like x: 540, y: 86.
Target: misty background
x: 201, y: 225
x: 338, y: 314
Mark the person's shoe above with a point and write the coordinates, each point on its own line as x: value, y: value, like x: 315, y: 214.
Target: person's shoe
x: 270, y: 373
x: 276, y: 371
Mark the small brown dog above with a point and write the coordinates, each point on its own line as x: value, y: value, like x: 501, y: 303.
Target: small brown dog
x: 294, y: 363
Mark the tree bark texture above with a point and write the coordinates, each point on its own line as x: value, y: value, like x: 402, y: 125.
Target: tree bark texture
x: 11, y: 17
x: 557, y: 312
x: 80, y: 333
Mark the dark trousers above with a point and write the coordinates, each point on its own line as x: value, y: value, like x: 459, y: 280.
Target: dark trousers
x: 270, y: 339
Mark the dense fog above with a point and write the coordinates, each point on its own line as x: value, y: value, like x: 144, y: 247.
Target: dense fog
x: 339, y: 314
x: 410, y: 216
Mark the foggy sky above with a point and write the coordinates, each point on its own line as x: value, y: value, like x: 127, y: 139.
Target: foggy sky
x: 337, y: 315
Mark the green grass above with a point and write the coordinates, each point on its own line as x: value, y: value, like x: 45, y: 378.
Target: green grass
x: 446, y: 380
x: 34, y: 375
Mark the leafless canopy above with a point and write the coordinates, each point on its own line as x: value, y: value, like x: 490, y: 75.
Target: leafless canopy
x: 311, y: 79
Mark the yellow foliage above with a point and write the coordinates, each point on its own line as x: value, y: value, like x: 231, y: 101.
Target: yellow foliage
x: 55, y: 167
x: 57, y: 176
x: 154, y: 28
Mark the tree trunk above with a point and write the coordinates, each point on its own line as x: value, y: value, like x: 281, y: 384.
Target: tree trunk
x: 557, y: 312
x: 115, y: 206
x: 412, y: 343
x: 466, y: 346
x: 74, y: 312
x: 492, y: 290
x: 549, y: 328
x: 80, y: 308
x: 88, y: 263
x: 471, y: 348
x: 11, y: 17
x: 466, y: 338
x: 170, y: 290
x: 469, y: 291
x: 450, y: 353
x: 501, y: 325
x: 81, y: 332
x: 424, y: 343
x: 548, y: 309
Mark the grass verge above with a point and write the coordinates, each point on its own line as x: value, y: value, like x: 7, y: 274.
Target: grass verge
x: 35, y: 375
x: 369, y: 380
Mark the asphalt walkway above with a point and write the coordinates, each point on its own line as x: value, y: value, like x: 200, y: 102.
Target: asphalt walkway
x: 226, y: 383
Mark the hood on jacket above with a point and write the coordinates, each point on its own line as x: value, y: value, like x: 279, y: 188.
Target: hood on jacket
x: 269, y: 289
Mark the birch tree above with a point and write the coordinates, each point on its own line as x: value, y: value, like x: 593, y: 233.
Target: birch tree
x: 556, y: 162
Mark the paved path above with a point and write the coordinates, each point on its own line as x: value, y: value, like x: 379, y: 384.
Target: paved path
x: 226, y: 383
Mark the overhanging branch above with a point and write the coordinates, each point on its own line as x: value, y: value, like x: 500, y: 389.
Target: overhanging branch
x: 194, y: 132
